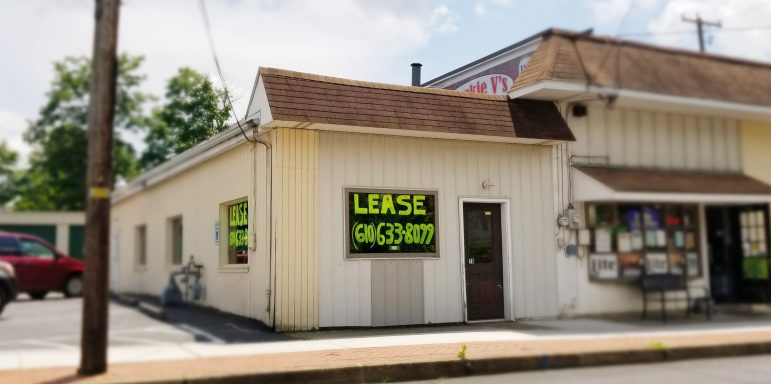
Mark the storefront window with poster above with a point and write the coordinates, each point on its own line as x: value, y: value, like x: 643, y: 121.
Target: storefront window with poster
x: 238, y: 233
x: 629, y: 240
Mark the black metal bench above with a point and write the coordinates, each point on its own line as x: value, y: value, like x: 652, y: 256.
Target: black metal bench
x: 672, y: 283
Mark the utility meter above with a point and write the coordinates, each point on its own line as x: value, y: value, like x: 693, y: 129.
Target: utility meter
x: 563, y: 221
x: 573, y: 217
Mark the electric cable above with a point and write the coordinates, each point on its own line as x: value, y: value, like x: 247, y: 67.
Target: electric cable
x: 207, y: 27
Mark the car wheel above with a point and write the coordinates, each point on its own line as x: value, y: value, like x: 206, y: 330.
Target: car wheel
x: 74, y: 286
x: 4, y: 299
x: 38, y: 295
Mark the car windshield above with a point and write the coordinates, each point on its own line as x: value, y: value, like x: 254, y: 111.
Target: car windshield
x: 9, y: 246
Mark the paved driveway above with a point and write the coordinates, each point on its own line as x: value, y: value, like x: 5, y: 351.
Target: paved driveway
x: 54, y: 323
x: 35, y: 333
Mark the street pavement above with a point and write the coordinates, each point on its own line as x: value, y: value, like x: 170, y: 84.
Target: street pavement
x: 746, y: 370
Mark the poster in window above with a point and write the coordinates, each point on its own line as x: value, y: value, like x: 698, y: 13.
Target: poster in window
x: 690, y: 240
x: 630, y: 265
x: 391, y: 223
x: 656, y: 263
x: 624, y: 240
x: 238, y: 233
x: 637, y: 240
x: 679, y: 237
x: 676, y: 263
x: 692, y: 264
x: 603, y: 266
x: 661, y: 238
x: 602, y: 241
x: 755, y: 268
x: 651, y: 241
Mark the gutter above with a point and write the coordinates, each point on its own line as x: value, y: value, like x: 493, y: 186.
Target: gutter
x: 628, y: 97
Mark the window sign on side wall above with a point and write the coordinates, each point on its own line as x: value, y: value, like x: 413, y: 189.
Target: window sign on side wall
x: 238, y: 233
x: 386, y: 223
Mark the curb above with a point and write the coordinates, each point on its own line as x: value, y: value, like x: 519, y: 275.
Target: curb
x: 151, y: 310
x: 460, y: 368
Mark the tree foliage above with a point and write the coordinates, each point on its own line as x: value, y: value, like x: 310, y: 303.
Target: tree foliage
x: 194, y: 110
x: 8, y: 160
x: 56, y: 178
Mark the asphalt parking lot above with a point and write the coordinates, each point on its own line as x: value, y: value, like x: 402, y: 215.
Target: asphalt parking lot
x: 54, y: 324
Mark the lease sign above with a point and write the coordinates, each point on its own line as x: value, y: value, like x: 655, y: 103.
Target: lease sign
x: 391, y: 223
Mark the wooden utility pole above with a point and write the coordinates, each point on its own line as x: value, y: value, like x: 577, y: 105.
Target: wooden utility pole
x: 700, y: 23
x: 101, y: 111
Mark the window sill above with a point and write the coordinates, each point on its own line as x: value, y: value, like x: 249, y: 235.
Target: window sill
x: 234, y: 268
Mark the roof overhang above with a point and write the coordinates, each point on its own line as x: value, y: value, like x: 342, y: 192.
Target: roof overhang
x: 218, y: 144
x: 572, y: 91
x: 641, y: 186
x: 404, y: 133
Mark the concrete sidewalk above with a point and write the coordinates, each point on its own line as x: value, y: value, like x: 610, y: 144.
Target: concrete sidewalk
x: 426, y: 352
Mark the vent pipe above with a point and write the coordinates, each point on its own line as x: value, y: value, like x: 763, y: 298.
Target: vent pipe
x: 416, y: 74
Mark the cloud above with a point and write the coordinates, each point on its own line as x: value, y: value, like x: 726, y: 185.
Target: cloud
x: 613, y: 11
x: 733, y: 14
x: 360, y: 39
x: 444, y: 20
x: 12, y: 126
x: 480, y: 9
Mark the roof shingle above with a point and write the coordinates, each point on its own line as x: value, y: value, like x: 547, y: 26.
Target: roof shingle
x: 608, y: 62
x: 301, y: 97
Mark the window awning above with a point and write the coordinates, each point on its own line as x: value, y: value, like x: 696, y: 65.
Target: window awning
x: 593, y: 183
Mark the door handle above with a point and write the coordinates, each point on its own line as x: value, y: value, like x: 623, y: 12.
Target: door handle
x: 500, y: 286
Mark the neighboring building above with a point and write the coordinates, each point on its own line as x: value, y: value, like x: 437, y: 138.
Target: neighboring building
x: 65, y: 230
x: 676, y: 137
x: 347, y: 203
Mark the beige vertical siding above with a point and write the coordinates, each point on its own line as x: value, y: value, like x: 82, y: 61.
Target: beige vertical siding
x: 295, y: 210
x: 196, y: 195
x: 756, y: 156
x: 522, y: 174
x: 639, y: 138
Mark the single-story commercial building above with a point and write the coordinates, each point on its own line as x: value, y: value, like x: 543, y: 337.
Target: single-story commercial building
x: 540, y: 181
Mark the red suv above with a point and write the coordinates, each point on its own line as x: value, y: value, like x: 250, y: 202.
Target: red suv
x: 41, y: 268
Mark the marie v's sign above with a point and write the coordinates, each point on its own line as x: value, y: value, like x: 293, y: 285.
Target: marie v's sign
x: 383, y: 223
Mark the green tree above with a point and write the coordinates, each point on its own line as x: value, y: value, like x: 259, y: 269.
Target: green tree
x: 56, y: 176
x: 8, y: 183
x: 195, y: 110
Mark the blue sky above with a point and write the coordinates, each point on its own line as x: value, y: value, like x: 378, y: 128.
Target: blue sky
x: 359, y: 39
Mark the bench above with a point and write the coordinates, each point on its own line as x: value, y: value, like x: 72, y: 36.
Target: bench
x: 672, y: 283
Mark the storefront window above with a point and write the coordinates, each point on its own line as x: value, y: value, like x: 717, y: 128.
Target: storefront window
x: 629, y: 240
x: 175, y: 228
x: 754, y: 245
x: 237, y: 233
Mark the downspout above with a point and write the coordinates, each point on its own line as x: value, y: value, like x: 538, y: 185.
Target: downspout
x: 256, y: 139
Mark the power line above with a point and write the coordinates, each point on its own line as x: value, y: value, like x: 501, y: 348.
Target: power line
x: 662, y: 33
x: 618, y: 31
x: 207, y: 26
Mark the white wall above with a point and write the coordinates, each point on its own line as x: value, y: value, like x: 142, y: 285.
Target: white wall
x: 196, y: 195
x: 521, y: 173
x: 640, y: 138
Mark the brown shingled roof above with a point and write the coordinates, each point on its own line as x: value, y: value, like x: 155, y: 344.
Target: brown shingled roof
x: 608, y: 62
x: 669, y: 181
x: 303, y: 97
